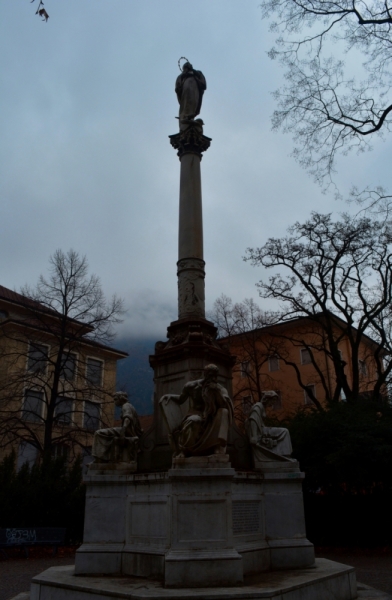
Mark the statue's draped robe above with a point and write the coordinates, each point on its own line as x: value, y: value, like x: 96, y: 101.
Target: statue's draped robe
x: 275, y: 439
x: 105, y: 438
x: 190, y: 88
x: 206, y: 426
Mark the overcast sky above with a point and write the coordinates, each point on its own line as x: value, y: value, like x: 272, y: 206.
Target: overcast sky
x: 87, y: 104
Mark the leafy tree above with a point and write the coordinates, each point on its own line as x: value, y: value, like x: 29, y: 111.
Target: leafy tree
x: 346, y: 453
x: 327, y: 109
x: 45, y: 347
x: 346, y: 449
x: 44, y: 495
x: 338, y: 274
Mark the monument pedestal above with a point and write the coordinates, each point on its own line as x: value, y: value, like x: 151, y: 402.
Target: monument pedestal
x: 326, y: 580
x: 199, y: 524
x: 202, y: 549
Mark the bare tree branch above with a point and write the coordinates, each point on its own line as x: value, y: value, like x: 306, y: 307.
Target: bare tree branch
x: 51, y: 375
x: 338, y: 275
x: 327, y: 111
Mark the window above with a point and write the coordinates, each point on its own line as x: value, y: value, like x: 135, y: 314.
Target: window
x: 3, y: 315
x: 27, y: 453
x: 273, y: 363
x: 305, y: 356
x: 309, y: 389
x: 245, y: 368
x: 94, y: 371
x: 91, y: 415
x: 60, y: 451
x: 68, y: 369
x: 32, y: 406
x: 37, y: 358
x: 63, y: 410
x: 247, y: 404
x: 362, y: 368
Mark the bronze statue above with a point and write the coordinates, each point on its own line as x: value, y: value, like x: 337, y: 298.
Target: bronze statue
x: 190, y: 86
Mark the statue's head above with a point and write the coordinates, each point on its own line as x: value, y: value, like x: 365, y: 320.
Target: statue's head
x: 187, y: 66
x: 120, y: 398
x: 211, y: 372
x: 268, y: 396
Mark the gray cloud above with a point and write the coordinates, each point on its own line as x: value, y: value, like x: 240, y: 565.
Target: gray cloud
x: 88, y: 102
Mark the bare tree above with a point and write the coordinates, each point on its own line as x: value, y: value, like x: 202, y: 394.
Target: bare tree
x: 338, y: 274
x: 50, y: 345
x: 322, y: 104
x: 240, y: 324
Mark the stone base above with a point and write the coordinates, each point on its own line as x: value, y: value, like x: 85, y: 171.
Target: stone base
x: 203, y: 569
x: 119, y: 467
x: 200, y: 523
x: 326, y: 581
x: 215, y: 461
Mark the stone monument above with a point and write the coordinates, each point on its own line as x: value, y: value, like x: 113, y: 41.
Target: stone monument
x: 207, y: 506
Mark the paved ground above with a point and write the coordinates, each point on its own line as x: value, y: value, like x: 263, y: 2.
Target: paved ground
x: 16, y: 573
x: 373, y: 569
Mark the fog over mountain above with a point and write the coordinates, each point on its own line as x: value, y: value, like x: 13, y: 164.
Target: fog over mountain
x: 134, y: 374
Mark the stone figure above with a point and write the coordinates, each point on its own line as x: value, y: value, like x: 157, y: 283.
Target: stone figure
x: 190, y: 86
x: 205, y: 428
x: 119, y: 444
x: 266, y: 440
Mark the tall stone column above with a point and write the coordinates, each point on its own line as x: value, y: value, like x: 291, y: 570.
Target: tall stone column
x: 190, y: 267
x: 191, y: 343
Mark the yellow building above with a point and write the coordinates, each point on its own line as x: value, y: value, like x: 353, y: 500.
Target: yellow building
x: 56, y: 382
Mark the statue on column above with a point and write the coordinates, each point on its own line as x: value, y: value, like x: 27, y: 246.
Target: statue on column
x: 205, y: 428
x: 190, y: 87
x: 119, y: 444
x: 266, y: 441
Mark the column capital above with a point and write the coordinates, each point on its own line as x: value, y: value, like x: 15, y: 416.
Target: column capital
x: 190, y: 140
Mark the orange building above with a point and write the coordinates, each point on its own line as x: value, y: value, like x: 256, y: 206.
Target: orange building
x: 294, y: 359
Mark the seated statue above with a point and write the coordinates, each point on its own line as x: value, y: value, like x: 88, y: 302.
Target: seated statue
x: 119, y: 444
x: 205, y: 428
x: 266, y: 441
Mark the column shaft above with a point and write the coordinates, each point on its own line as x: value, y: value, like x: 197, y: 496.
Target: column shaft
x: 191, y: 274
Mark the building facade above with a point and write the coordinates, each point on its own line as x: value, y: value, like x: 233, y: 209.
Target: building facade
x: 56, y: 382
x: 295, y: 360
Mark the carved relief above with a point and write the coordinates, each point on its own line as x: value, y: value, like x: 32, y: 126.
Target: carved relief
x: 190, y: 295
x: 190, y: 263
x: 191, y: 287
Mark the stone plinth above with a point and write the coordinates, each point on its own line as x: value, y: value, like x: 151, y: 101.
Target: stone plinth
x: 190, y: 347
x: 202, y: 549
x: 327, y: 580
x: 200, y: 523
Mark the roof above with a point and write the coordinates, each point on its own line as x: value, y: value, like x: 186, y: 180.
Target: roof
x: 292, y: 321
x: 15, y: 298
x: 20, y: 300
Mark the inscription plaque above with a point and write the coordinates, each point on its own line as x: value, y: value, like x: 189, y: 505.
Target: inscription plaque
x: 246, y: 517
